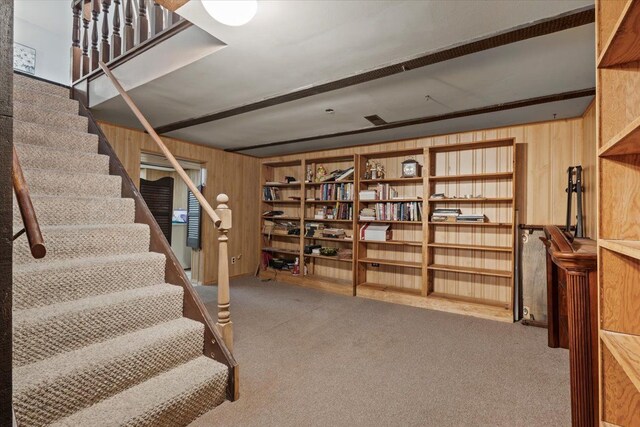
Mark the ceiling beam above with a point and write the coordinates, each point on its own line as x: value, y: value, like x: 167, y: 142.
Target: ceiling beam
x: 565, y: 21
x: 430, y: 119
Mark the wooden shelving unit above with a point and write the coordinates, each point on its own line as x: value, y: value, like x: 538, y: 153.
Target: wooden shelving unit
x: 456, y: 267
x: 472, y: 261
x: 393, y: 267
x: 332, y: 273
x: 618, y: 133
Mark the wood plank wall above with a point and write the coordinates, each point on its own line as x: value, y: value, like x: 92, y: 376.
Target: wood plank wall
x: 6, y: 209
x: 233, y: 174
x: 544, y: 151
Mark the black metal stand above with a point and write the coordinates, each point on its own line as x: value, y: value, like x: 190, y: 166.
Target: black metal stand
x: 575, y: 187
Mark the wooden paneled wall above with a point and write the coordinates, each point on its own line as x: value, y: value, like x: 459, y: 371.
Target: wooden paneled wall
x: 544, y: 152
x: 233, y: 174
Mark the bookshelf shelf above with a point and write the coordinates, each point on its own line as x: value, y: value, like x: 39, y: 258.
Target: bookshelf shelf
x: 396, y: 263
x: 391, y: 201
x: 473, y: 224
x: 470, y: 270
x: 283, y: 185
x: 630, y: 248
x: 281, y: 251
x: 473, y: 200
x: 313, y: 184
x: 382, y: 221
x: 626, y: 141
x: 281, y: 202
x: 286, y: 236
x: 330, y: 258
x: 622, y: 46
x: 328, y: 220
x: 472, y: 177
x: 417, y: 180
x: 471, y: 247
x: 327, y: 201
x: 330, y: 239
x: 283, y: 218
x: 392, y: 242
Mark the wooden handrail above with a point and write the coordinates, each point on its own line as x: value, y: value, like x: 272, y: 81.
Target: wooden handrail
x: 29, y: 220
x: 156, y: 138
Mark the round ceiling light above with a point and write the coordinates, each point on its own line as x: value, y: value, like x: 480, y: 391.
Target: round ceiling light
x: 231, y: 12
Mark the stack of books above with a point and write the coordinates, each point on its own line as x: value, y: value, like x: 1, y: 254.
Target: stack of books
x: 271, y: 193
x: 471, y: 218
x: 368, y: 195
x: 368, y: 214
x: 445, y: 215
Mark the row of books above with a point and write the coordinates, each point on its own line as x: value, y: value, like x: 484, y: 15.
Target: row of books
x: 271, y: 193
x: 455, y: 215
x: 336, y: 192
x: 340, y: 211
x: 393, y: 211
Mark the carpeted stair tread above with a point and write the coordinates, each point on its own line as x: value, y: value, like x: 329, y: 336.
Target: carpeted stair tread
x: 60, y: 183
x: 52, y: 118
x: 41, y: 332
x: 61, y: 139
x: 81, y: 241
x: 68, y: 382
x: 172, y: 399
x: 42, y: 157
x: 38, y: 285
x: 59, y: 210
x: 44, y: 100
x: 40, y: 86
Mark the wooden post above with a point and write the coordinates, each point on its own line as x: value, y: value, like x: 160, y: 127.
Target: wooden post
x: 86, y: 18
x: 105, y: 49
x: 129, y: 32
x: 95, y: 53
x: 157, y: 19
x: 116, y: 41
x: 224, y: 325
x: 143, y: 22
x: 76, y: 50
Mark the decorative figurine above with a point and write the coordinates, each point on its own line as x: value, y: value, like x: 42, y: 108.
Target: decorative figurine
x: 367, y: 170
x: 321, y: 172
x: 379, y: 171
x: 309, y: 174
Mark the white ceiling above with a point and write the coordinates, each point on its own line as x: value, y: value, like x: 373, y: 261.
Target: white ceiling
x: 290, y: 45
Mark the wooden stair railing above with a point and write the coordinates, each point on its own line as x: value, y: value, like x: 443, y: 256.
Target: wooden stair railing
x: 111, y: 43
x: 218, y: 335
x: 29, y: 220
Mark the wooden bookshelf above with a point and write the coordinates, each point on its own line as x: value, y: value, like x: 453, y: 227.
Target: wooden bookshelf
x: 393, y: 266
x: 425, y: 264
x: 618, y: 175
x: 472, y: 261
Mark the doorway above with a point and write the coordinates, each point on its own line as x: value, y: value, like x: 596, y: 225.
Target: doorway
x: 172, y: 204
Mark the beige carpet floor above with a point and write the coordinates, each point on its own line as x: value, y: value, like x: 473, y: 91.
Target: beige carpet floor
x: 309, y: 358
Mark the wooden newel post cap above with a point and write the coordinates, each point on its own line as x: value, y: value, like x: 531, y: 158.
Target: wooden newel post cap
x: 222, y: 198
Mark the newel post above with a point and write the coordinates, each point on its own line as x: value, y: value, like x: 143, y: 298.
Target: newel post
x: 224, y: 324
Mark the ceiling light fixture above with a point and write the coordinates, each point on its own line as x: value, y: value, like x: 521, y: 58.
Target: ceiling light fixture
x: 329, y: 111
x: 231, y: 12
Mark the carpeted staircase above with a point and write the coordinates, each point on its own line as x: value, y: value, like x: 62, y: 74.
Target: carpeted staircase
x: 99, y: 338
